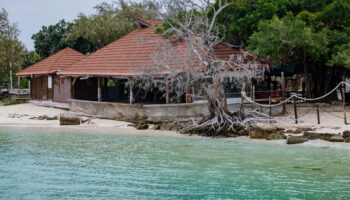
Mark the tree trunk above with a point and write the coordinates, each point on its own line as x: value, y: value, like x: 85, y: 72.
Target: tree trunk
x: 307, y: 81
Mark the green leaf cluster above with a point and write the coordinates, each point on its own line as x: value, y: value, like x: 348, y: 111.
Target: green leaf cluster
x: 111, y: 22
x: 87, y: 34
x: 11, y: 49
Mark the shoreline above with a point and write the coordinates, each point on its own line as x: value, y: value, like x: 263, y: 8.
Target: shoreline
x: 22, y: 116
x: 113, y: 131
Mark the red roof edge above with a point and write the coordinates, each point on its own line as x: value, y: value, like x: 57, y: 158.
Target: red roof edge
x: 24, y: 73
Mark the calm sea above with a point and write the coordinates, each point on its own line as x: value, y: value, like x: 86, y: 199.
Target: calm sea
x: 57, y: 164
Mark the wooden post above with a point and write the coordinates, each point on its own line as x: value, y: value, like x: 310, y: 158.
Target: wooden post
x: 105, y: 83
x: 270, y: 112
x: 167, y: 98
x: 253, y: 93
x: 241, y: 109
x: 241, y: 104
x: 131, y: 97
x: 72, y: 95
x: 318, y: 114
x: 188, y: 94
x: 295, y: 110
x: 344, y: 103
x: 99, y: 95
x: 283, y: 92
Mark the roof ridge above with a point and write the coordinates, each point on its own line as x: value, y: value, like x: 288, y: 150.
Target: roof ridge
x: 62, y: 52
x: 57, y: 60
x: 110, y: 44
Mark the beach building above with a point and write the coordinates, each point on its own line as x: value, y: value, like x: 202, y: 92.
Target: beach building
x: 45, y: 85
x: 107, y: 74
x: 102, y: 83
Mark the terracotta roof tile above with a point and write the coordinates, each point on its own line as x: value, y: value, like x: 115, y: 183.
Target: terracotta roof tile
x: 127, y: 54
x: 58, y: 61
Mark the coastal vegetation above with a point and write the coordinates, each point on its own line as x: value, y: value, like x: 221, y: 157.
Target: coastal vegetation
x: 311, y: 35
x: 306, y: 34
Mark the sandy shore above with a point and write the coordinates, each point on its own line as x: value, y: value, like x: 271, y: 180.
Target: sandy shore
x: 25, y: 115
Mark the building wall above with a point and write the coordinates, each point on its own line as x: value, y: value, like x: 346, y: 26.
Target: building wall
x: 61, y: 89
x: 39, y: 89
x: 127, y: 112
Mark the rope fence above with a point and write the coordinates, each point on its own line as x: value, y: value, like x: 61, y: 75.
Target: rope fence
x: 295, y: 97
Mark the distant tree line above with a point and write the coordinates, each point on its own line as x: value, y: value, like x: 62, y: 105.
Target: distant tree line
x: 89, y: 33
x: 313, y: 35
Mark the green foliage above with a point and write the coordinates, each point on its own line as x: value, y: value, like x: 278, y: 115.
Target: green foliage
x: 337, y: 14
x: 11, y: 48
x: 30, y: 57
x: 111, y: 22
x: 15, y: 102
x: 52, y: 39
x: 89, y: 33
x: 314, y: 38
x: 49, y: 39
x: 242, y: 17
x: 288, y: 38
x: 341, y: 56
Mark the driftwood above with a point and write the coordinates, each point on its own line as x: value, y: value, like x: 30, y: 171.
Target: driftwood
x: 69, y: 119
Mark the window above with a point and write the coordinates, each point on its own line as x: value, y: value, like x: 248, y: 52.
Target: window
x: 49, y: 82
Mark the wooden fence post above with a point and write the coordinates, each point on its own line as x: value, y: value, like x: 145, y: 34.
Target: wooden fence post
x: 295, y: 110
x: 241, y: 109
x: 318, y: 114
x: 344, y: 103
x: 270, y: 111
x: 283, y: 92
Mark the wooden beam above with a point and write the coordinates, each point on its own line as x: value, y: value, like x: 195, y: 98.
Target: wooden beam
x: 99, y: 95
x: 188, y: 94
x: 74, y: 80
x: 167, y: 98
x: 131, y: 97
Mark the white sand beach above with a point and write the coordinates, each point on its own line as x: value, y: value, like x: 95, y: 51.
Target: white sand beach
x: 25, y: 115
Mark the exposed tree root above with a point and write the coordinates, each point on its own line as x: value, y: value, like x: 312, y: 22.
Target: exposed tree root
x: 227, y: 124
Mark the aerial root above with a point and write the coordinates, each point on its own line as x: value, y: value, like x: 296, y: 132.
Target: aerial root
x: 225, y: 123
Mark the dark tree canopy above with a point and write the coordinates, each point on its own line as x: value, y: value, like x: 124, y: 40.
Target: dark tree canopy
x: 242, y: 17
x: 316, y: 39
x: 52, y: 39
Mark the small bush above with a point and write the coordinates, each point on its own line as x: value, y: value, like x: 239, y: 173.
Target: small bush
x: 15, y: 102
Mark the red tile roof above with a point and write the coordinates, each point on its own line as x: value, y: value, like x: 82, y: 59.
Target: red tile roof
x: 129, y: 53
x: 58, y: 61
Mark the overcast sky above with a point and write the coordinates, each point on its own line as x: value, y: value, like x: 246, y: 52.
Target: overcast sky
x: 31, y: 15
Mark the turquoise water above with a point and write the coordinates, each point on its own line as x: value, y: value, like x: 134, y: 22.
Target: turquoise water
x: 57, y: 164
